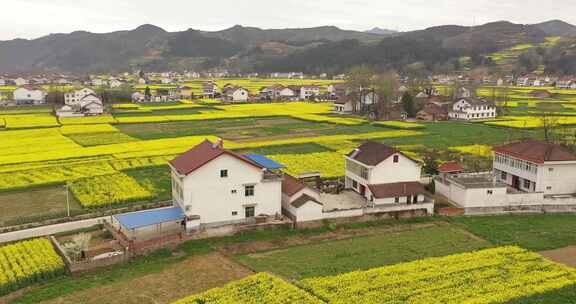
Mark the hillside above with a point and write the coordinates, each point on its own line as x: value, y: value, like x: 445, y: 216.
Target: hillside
x: 319, y: 49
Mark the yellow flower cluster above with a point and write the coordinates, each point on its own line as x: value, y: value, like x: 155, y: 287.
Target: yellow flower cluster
x: 329, y: 164
x: 102, y: 191
x: 530, y: 121
x: 489, y: 276
x: 259, y: 288
x: 28, y: 262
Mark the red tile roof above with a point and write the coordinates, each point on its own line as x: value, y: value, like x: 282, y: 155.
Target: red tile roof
x: 291, y: 185
x: 396, y: 189
x: 536, y: 151
x: 203, y: 154
x: 451, y: 167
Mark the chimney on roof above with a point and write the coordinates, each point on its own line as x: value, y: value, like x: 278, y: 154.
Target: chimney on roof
x: 354, y: 153
x: 219, y: 144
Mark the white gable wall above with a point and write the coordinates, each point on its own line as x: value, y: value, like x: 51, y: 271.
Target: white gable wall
x: 211, y: 197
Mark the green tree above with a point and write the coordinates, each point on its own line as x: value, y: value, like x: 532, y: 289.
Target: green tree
x: 408, y: 104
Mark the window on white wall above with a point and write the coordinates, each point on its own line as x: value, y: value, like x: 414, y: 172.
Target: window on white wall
x: 223, y: 173
x: 249, y: 190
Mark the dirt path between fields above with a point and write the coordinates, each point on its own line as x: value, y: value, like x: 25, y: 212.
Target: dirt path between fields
x: 178, y: 281
x: 566, y: 255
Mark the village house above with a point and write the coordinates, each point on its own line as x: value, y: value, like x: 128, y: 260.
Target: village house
x: 20, y: 81
x: 209, y: 89
x: 384, y: 175
x: 29, y: 95
x: 336, y: 90
x: 114, y: 83
x: 138, y: 97
x: 215, y: 186
x: 528, y: 175
x: 277, y: 92
x: 309, y: 92
x: 343, y: 105
x: 74, y: 98
x: 235, y: 94
x: 86, y: 105
x: 185, y: 92
x: 566, y: 83
x: 432, y: 112
x: 300, y: 203
x: 472, y: 108
x: 536, y: 166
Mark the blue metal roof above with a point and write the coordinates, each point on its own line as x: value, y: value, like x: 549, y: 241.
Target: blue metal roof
x: 264, y: 161
x: 148, y: 218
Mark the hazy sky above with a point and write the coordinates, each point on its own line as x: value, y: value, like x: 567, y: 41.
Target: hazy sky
x: 34, y: 18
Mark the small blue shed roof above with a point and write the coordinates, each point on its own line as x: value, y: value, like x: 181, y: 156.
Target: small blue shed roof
x: 151, y: 217
x: 264, y: 161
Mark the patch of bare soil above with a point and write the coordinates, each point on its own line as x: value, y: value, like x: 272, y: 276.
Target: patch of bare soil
x: 193, y: 275
x: 566, y: 255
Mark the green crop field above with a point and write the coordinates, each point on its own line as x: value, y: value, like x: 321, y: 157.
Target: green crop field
x: 335, y: 257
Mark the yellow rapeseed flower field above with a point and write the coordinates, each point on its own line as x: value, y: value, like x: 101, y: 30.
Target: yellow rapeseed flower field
x: 257, y: 289
x: 28, y: 262
x: 490, y: 276
x: 101, y: 191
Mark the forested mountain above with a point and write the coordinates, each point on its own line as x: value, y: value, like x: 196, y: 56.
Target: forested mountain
x: 320, y: 49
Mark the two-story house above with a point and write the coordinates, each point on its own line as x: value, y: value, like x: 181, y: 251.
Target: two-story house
x: 209, y: 89
x: 472, y: 108
x: 74, y: 98
x: 536, y: 166
x: 308, y: 92
x: 384, y: 175
x: 216, y: 187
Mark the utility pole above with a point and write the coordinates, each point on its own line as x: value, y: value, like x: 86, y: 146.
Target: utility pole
x: 67, y: 199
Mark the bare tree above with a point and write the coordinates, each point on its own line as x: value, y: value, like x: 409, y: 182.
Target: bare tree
x: 549, y: 126
x: 359, y: 81
x: 386, y: 90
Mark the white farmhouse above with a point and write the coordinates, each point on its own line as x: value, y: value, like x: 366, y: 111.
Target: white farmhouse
x: 91, y: 105
x: 472, y: 108
x: 216, y: 187
x: 384, y: 175
x: 29, y: 95
x: 536, y: 166
x: 300, y: 202
x: 309, y: 92
x: 20, y: 81
x: 73, y: 98
x: 235, y: 94
x: 343, y: 105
